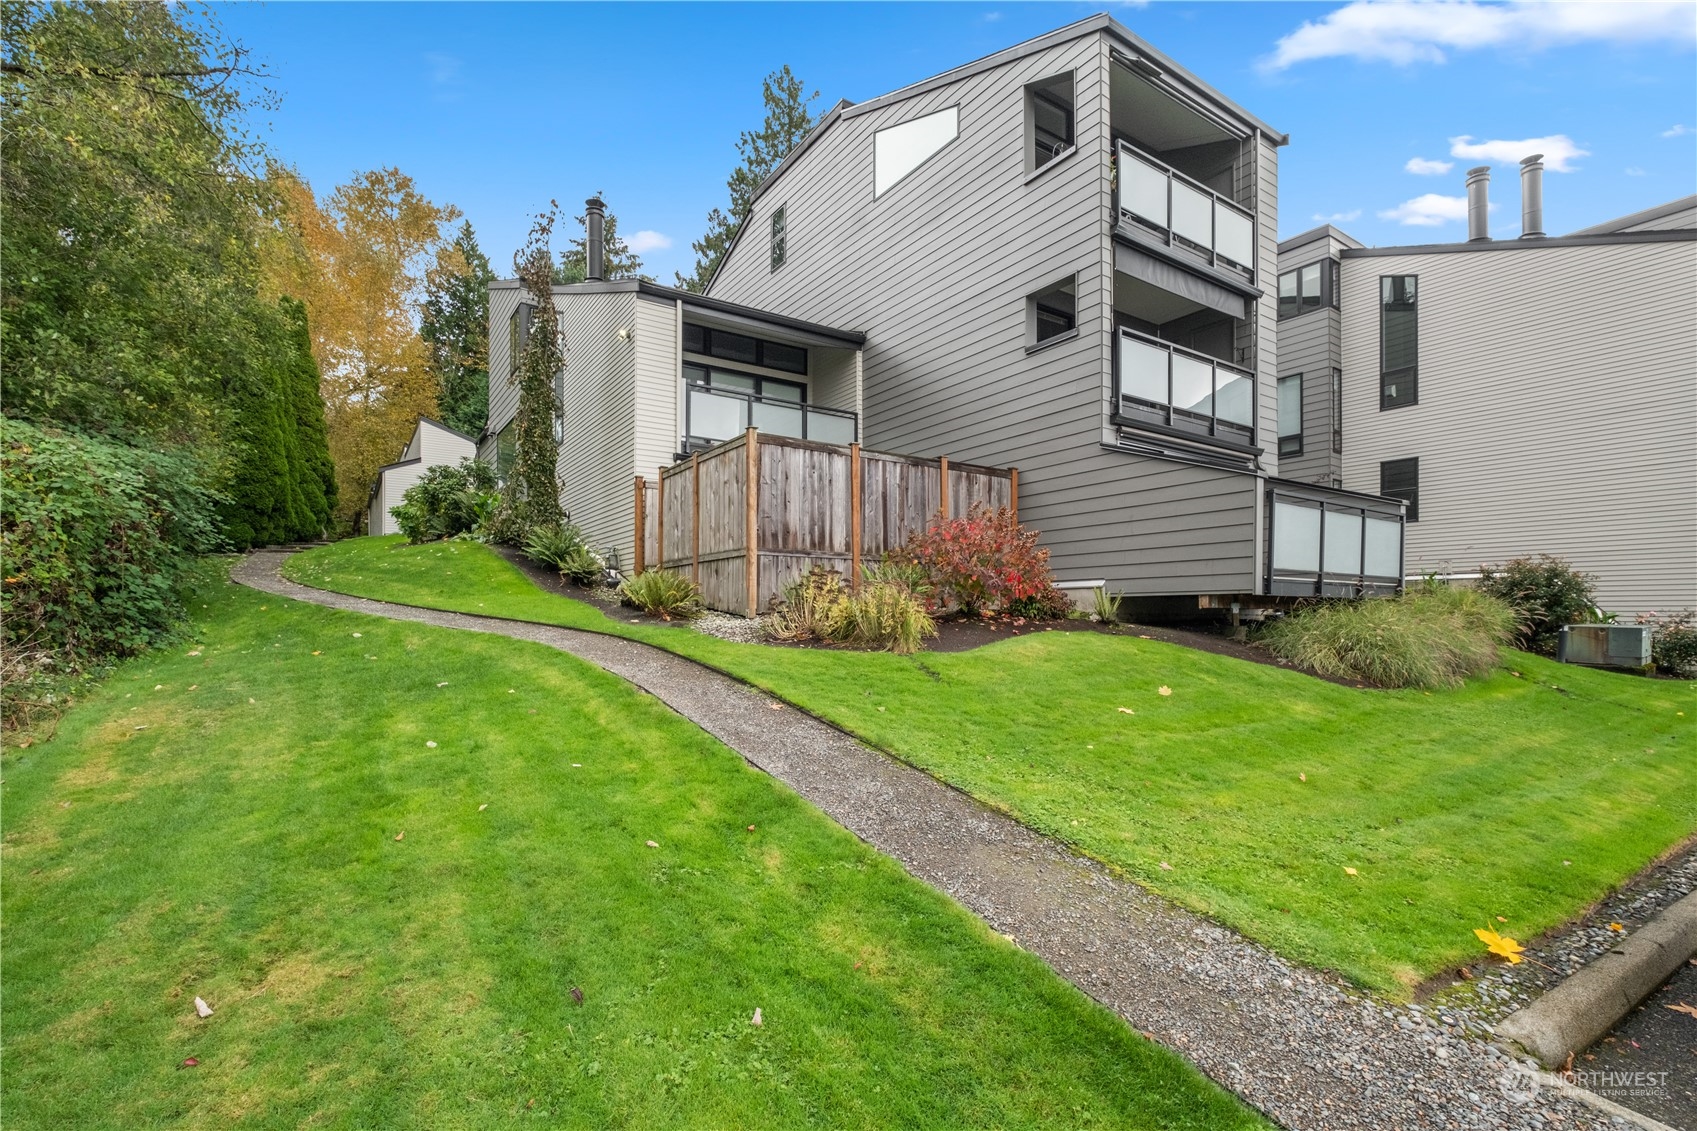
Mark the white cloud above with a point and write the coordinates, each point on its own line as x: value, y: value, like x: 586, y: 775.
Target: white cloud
x: 1338, y: 217
x: 1635, y: 171
x: 1425, y: 167
x: 1404, y: 33
x: 1558, y: 150
x: 646, y: 240
x: 1677, y: 131
x: 1428, y: 211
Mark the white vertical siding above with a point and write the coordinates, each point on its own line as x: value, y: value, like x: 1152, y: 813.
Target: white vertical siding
x: 1557, y: 413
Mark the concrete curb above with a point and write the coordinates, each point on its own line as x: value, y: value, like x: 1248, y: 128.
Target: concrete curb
x: 1572, y: 1016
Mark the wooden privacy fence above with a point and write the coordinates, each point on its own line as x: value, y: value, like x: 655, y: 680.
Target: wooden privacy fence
x: 813, y: 504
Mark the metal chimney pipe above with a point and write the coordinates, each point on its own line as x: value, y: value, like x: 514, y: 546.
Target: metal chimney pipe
x: 1532, y: 197
x: 595, y: 265
x: 1478, y: 204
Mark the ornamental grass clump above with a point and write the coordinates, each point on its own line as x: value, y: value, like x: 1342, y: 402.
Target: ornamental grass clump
x: 661, y: 593
x: 886, y: 614
x: 1432, y: 636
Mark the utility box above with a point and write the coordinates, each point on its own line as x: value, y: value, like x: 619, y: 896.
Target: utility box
x: 1605, y: 645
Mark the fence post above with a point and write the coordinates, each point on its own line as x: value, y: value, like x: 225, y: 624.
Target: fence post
x: 855, y: 503
x: 695, y: 517
x: 1013, y: 492
x: 943, y: 481
x: 641, y: 512
x: 751, y: 529
x: 660, y: 524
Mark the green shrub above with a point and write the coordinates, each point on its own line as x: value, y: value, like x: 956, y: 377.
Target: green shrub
x: 1548, y: 593
x: 812, y: 606
x: 1432, y: 636
x: 562, y: 548
x: 447, y: 502
x: 661, y: 593
x: 1673, y: 642
x: 985, y: 560
x: 885, y: 615
x: 1107, y: 605
x: 94, y: 539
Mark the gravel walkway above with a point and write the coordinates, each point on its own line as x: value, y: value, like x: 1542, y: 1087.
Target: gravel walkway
x: 1311, y: 1053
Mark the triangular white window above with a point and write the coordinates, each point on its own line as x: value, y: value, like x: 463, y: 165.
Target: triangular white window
x: 899, y: 150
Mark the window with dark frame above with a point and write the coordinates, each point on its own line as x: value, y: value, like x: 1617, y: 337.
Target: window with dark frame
x: 1334, y: 284
x: 1307, y: 288
x: 1399, y: 342
x: 1054, y: 311
x: 1050, y: 105
x: 1337, y: 411
x: 778, y: 234
x: 518, y: 333
x: 1400, y: 479
x: 1290, y: 415
x: 728, y: 346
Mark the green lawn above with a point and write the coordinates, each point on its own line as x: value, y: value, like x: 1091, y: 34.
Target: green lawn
x: 1526, y: 795
x: 386, y: 854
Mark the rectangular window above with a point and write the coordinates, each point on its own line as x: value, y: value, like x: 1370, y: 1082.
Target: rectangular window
x: 1400, y: 479
x: 727, y: 346
x: 778, y: 238
x: 1399, y: 342
x: 1053, y: 311
x: 1337, y: 411
x: 1335, y: 282
x: 1307, y: 288
x: 1049, y: 113
x: 1290, y: 415
x: 518, y: 334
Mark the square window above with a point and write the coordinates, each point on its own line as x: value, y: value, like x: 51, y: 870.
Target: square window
x: 695, y: 339
x: 1053, y: 311
x: 777, y: 355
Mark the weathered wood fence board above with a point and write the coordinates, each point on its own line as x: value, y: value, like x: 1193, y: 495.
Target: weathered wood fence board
x: 812, y: 504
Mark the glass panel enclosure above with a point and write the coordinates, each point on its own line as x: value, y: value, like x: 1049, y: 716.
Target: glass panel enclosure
x: 780, y: 419
x: 1143, y: 189
x: 714, y: 417
x: 1193, y: 214
x: 1179, y: 388
x: 1343, y: 542
x: 1193, y: 385
x: 1143, y: 371
x: 829, y: 428
x: 1234, y: 236
x: 1296, y: 538
x: 1384, y: 548
x: 1158, y: 196
x: 1234, y: 400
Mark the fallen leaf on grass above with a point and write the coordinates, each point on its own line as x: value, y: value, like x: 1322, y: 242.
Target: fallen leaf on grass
x: 1616, y: 927
x: 194, y: 687
x: 1500, y: 945
x: 1500, y: 919
x: 432, y: 745
x: 159, y: 687
x: 191, y: 1062
x: 1125, y: 710
x: 1301, y: 777
x: 1350, y: 872
x: 1164, y: 690
x: 318, y: 653
x: 757, y: 1020
x: 653, y: 844
x: 482, y: 807
x: 202, y: 1008
x: 1683, y: 1008
x: 751, y: 828
x: 776, y: 706
x: 194, y: 653
x: 1166, y: 867
x: 357, y: 635
x: 399, y: 835
x: 443, y: 684
x: 577, y: 995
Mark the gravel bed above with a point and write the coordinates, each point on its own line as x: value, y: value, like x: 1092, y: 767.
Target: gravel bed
x: 742, y: 630
x: 1309, y: 1051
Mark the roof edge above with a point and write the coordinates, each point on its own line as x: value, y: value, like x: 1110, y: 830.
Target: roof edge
x: 1312, y: 235
x: 1674, y: 235
x: 1613, y: 227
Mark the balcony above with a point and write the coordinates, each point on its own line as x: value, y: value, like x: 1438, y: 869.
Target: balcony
x: 714, y: 415
x: 1325, y: 543
x: 1184, y: 213
x: 1184, y: 391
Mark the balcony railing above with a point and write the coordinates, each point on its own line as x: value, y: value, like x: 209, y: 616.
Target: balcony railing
x: 1331, y: 544
x: 1173, y: 387
x: 713, y: 415
x: 1184, y: 212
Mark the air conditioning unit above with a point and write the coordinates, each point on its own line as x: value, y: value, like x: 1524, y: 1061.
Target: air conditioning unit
x: 1605, y: 645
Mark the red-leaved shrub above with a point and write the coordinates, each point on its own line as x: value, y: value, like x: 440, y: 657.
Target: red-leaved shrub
x: 985, y: 561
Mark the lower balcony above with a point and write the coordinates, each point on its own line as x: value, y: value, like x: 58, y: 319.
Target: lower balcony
x: 714, y: 415
x: 1329, y: 543
x: 1172, y: 388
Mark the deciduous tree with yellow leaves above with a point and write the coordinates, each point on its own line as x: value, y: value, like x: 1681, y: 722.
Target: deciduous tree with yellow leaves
x: 357, y: 260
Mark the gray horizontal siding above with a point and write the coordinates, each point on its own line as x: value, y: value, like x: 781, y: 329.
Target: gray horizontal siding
x: 936, y: 273
x: 1557, y: 414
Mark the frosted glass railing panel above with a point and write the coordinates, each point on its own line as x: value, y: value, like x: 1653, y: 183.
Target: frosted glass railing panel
x: 1343, y: 543
x: 1193, y: 214
x: 1193, y: 385
x: 780, y: 419
x: 829, y: 429
x: 1384, y: 548
x: 1234, y: 235
x: 1143, y: 189
x: 714, y: 417
x: 1143, y: 371
x: 1296, y: 538
x: 1235, y: 400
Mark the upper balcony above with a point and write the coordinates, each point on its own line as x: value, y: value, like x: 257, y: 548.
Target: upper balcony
x: 716, y: 414
x: 1182, y: 390
x: 1184, y: 213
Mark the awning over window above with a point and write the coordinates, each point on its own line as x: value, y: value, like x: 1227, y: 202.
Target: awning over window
x: 1176, y: 280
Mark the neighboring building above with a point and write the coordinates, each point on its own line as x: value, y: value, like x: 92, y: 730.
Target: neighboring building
x: 653, y: 373
x: 433, y: 444
x: 1526, y: 395
x: 1059, y: 258
x: 1310, y: 382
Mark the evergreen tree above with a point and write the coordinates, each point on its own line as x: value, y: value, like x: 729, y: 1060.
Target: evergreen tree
x: 316, y: 474
x: 455, y: 325
x: 619, y: 261
x: 530, y: 497
x: 789, y: 118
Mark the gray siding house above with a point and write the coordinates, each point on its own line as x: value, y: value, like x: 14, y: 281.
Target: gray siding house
x: 1062, y: 257
x: 1526, y: 395
x: 1059, y: 258
x: 433, y: 444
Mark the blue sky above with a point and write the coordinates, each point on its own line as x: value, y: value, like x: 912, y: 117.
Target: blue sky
x: 496, y: 108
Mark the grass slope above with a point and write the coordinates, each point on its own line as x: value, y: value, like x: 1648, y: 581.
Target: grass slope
x: 1527, y: 794
x: 287, y: 819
